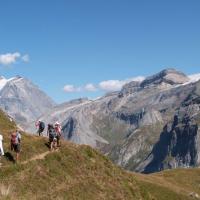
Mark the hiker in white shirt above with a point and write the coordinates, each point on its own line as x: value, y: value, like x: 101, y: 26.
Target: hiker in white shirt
x: 1, y: 145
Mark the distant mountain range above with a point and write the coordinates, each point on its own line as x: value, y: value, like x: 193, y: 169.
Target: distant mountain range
x: 148, y: 126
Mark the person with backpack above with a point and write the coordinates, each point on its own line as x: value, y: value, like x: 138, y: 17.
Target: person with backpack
x: 15, y: 143
x: 41, y: 126
x: 52, y: 137
x: 58, y: 130
x: 1, y: 146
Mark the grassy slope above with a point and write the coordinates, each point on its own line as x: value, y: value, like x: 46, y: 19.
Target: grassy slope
x: 80, y: 172
x: 30, y: 145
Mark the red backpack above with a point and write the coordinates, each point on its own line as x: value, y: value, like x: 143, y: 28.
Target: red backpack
x: 14, y: 139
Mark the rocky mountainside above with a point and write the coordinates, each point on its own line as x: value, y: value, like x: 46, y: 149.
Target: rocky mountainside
x: 179, y: 143
x: 129, y: 125
x: 23, y: 100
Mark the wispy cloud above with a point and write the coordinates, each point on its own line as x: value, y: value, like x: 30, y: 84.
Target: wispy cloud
x: 26, y: 58
x: 108, y: 85
x: 115, y: 85
x: 71, y: 88
x: 12, y: 58
x: 9, y: 58
x: 111, y: 85
x: 137, y: 78
x: 90, y: 87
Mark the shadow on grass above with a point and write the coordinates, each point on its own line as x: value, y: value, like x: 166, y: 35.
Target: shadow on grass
x: 47, y: 144
x: 9, y: 157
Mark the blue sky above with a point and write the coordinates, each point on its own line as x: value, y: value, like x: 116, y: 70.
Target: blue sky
x: 81, y: 42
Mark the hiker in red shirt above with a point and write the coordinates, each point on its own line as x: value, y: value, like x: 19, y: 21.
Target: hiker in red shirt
x: 15, y: 143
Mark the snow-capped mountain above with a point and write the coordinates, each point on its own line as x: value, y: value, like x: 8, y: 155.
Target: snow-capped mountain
x: 23, y: 100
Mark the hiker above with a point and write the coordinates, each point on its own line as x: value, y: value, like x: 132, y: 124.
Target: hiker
x: 41, y: 126
x: 1, y: 146
x: 15, y: 143
x: 58, y: 133
x: 52, y: 137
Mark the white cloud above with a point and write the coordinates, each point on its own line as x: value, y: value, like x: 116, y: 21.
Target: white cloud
x: 9, y: 58
x: 12, y: 58
x: 90, y: 87
x: 137, y: 78
x: 71, y: 88
x: 26, y: 58
x: 109, y: 85
x: 115, y: 85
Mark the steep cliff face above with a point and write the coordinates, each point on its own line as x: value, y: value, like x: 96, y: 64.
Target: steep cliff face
x: 179, y: 141
x: 178, y: 146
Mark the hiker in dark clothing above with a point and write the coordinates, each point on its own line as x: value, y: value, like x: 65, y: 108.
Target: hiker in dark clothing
x: 52, y: 137
x: 41, y: 126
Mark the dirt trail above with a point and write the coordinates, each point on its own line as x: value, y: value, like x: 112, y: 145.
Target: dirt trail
x: 38, y: 157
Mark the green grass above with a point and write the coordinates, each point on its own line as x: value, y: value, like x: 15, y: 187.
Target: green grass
x: 31, y: 145
x: 79, y: 172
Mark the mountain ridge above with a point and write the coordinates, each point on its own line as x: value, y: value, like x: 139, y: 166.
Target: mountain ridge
x: 111, y: 122
x: 124, y: 125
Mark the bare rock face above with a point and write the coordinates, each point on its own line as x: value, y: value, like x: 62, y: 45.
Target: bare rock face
x: 178, y: 146
x: 179, y: 141
x: 129, y: 88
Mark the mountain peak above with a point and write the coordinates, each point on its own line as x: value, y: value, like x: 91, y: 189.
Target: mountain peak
x: 17, y: 78
x: 23, y: 100
x: 168, y: 76
x: 2, y: 78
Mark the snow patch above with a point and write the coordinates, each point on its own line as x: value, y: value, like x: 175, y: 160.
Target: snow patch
x: 4, y: 81
x: 194, y: 77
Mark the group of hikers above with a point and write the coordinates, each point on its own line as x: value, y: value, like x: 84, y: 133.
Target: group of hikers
x: 54, y: 132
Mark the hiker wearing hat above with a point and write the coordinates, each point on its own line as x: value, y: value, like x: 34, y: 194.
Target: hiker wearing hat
x: 58, y: 130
